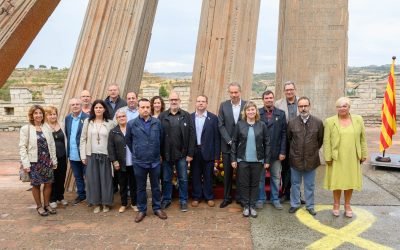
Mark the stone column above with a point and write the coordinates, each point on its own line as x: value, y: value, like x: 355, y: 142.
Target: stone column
x: 225, y: 49
x: 312, y: 51
x: 112, y: 48
x: 20, y: 22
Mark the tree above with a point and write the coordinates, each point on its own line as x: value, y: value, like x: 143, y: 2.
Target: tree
x: 41, y: 66
x: 31, y: 66
x: 163, y: 91
x: 53, y: 68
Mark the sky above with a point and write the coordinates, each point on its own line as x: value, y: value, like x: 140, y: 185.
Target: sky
x: 374, y: 35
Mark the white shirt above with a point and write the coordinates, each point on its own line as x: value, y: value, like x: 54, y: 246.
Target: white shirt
x: 199, y: 122
x: 236, y: 110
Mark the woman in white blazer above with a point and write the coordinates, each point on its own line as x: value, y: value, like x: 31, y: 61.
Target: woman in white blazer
x: 38, y: 157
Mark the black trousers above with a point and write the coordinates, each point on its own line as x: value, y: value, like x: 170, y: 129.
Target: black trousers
x: 127, y: 180
x: 248, y: 180
x: 228, y: 178
x: 57, y: 188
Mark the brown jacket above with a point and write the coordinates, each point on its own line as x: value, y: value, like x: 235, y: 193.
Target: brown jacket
x: 305, y: 142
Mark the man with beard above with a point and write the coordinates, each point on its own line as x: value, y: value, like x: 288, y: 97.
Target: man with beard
x: 305, y: 134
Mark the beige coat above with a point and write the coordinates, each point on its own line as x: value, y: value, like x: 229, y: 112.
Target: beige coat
x: 29, y: 152
x: 85, y: 147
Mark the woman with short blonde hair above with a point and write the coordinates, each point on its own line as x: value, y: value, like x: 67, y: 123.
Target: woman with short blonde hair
x: 52, y: 123
x: 345, y: 148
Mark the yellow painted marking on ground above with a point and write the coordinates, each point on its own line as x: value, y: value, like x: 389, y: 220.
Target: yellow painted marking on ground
x: 336, y: 237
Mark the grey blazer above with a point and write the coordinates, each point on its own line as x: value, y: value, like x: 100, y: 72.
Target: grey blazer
x: 226, y: 124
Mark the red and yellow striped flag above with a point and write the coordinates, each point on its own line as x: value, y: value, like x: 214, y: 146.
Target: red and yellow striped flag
x: 388, y: 128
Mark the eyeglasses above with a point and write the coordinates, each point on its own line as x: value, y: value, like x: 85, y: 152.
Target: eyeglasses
x: 289, y: 90
x: 174, y: 100
x: 303, y: 106
x: 343, y: 107
x: 120, y: 116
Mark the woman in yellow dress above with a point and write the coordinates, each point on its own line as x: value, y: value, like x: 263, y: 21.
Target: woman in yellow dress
x: 345, y: 148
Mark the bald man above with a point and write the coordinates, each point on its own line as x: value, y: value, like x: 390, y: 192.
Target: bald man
x: 86, y: 99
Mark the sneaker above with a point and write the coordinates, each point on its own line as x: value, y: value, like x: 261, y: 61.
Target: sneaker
x: 53, y: 204
x: 135, y: 208
x: 77, y: 201
x: 277, y: 205
x: 122, y: 209
x: 253, y: 212
x: 106, y: 209
x: 184, y: 207
x: 96, y: 210
x: 246, y: 211
x: 63, y: 202
x: 165, y: 205
x: 259, y: 205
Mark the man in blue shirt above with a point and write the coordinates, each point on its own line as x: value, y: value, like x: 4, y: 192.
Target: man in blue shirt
x: 143, y: 137
x: 73, y: 129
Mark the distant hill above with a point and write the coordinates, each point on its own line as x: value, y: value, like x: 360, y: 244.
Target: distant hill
x: 35, y: 79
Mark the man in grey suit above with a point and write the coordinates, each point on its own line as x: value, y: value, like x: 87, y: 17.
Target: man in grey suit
x: 228, y: 116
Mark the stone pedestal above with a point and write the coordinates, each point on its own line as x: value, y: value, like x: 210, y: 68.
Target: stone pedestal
x: 312, y: 51
x: 225, y: 49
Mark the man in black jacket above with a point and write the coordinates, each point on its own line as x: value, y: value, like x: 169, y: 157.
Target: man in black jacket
x: 113, y: 100
x: 228, y: 116
x: 275, y: 120
x: 177, y: 148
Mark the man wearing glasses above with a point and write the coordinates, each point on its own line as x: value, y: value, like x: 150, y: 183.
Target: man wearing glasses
x: 305, y: 135
x: 289, y: 105
x: 177, y: 149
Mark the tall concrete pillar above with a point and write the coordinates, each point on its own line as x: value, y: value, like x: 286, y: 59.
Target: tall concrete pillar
x: 225, y: 49
x: 312, y: 50
x: 112, y: 48
x: 20, y: 22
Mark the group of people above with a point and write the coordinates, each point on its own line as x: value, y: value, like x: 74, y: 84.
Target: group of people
x: 116, y: 144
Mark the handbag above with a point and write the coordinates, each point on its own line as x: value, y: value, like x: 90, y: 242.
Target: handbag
x: 23, y: 175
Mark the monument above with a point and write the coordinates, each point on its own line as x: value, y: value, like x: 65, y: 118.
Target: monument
x: 312, y: 50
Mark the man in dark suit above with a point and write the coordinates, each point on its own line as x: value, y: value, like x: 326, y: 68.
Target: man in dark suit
x: 207, y: 152
x: 73, y: 129
x: 113, y: 100
x: 228, y: 116
x: 275, y: 119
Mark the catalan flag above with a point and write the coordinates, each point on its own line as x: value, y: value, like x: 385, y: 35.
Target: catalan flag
x: 388, y: 128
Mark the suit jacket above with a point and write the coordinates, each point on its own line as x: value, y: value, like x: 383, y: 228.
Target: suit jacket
x: 68, y: 125
x: 210, y: 138
x: 277, y: 132
x: 282, y: 105
x: 226, y: 124
x: 332, y: 137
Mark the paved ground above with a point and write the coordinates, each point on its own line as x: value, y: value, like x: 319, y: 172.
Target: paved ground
x: 377, y: 218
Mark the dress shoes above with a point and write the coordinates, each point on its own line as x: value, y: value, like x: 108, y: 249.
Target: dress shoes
x: 195, y: 203
x: 311, y: 211
x: 210, y: 203
x: 293, y: 210
x: 161, y: 214
x: 225, y: 203
x: 139, y: 217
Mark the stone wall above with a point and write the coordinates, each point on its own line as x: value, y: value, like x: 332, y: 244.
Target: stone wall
x: 13, y: 114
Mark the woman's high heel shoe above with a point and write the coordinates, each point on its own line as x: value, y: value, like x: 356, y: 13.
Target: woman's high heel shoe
x: 348, y: 212
x: 335, y: 210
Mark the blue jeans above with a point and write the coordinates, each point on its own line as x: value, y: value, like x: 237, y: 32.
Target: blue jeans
x: 141, y: 183
x: 168, y: 171
x: 275, y: 181
x: 309, y: 184
x: 78, y: 169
